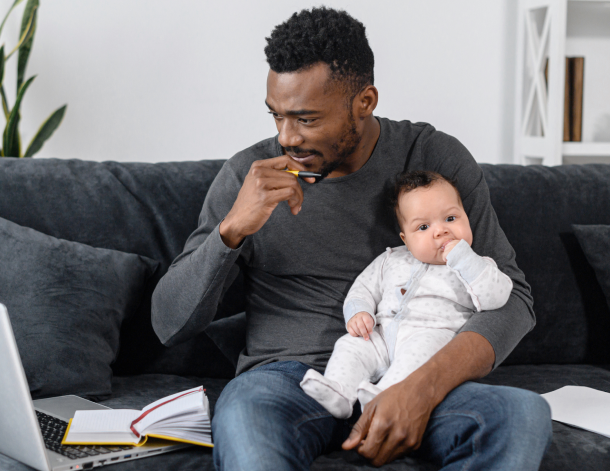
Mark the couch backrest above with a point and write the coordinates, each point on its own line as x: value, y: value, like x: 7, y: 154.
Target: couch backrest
x: 536, y: 207
x: 150, y: 209
x: 146, y: 209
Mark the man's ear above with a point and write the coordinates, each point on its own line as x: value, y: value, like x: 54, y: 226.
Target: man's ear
x: 366, y: 101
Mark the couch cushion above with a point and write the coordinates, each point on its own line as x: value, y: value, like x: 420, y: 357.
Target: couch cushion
x: 595, y: 242
x: 536, y: 207
x: 146, y: 209
x: 571, y: 449
x: 66, y: 302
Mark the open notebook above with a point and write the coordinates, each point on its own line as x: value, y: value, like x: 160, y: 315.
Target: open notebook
x: 183, y: 417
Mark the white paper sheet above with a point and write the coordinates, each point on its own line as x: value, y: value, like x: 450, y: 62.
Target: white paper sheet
x: 583, y: 407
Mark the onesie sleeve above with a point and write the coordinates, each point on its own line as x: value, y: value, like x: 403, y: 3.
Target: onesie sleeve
x: 366, y: 292
x: 488, y: 287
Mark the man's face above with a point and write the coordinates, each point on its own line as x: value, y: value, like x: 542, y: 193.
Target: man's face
x: 315, y: 125
x: 430, y: 218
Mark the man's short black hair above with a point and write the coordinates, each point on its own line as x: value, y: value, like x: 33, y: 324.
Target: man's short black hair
x: 323, y: 35
x: 409, y: 181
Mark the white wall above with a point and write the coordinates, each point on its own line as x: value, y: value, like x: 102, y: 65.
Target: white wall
x: 160, y: 80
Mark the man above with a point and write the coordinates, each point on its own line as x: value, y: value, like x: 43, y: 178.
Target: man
x: 301, y: 244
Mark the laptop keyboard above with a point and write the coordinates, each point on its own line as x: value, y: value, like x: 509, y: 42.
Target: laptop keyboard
x: 53, y: 431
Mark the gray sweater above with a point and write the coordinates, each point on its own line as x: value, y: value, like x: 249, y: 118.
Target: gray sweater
x: 298, y: 269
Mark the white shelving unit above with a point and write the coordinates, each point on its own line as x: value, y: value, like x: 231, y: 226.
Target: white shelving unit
x: 554, y: 29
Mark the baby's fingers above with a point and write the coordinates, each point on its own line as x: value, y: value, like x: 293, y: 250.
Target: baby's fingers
x: 370, y: 323
x: 362, y: 329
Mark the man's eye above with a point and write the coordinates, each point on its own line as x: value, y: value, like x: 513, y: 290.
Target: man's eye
x: 275, y: 115
x: 306, y: 121
x: 450, y: 219
x: 423, y: 228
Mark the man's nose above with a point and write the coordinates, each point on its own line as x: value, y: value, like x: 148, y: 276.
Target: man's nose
x: 289, y: 134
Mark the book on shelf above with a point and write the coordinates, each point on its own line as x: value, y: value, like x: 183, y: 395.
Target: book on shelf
x: 577, y: 73
x: 182, y: 417
x: 572, y: 96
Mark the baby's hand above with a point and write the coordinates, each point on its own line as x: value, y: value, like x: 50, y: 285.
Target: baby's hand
x: 361, y: 324
x: 448, y: 247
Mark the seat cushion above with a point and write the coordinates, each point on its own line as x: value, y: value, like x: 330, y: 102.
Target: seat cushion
x: 571, y: 449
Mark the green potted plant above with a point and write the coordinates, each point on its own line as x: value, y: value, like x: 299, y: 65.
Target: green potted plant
x: 11, y: 139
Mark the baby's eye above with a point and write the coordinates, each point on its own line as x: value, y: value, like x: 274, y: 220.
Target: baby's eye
x: 422, y: 228
x: 450, y: 219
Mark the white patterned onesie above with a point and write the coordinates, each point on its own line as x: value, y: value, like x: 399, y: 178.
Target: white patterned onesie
x: 417, y: 307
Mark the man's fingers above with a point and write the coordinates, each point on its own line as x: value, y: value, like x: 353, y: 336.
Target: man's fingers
x: 394, y: 446
x: 288, y: 194
x: 360, y: 430
x: 374, y: 440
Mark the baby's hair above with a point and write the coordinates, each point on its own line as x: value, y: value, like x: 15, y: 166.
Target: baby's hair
x: 409, y: 181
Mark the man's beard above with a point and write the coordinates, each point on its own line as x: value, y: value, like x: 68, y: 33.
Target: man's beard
x: 345, y: 146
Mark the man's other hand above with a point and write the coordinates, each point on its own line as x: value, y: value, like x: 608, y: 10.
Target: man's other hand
x: 393, y: 423
x: 361, y: 324
x: 265, y: 186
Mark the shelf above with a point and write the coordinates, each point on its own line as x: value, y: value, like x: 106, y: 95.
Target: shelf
x: 585, y: 149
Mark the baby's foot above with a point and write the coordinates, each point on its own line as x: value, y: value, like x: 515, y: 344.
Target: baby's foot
x: 366, y: 392
x: 328, y: 393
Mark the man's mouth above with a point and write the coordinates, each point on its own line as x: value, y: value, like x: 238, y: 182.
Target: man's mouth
x: 303, y: 159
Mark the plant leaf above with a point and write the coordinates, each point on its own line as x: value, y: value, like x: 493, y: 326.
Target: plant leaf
x: 15, y: 3
x: 24, y: 51
x: 1, y: 64
x: 10, y: 138
x: 29, y: 32
x: 4, y: 102
x: 45, y: 131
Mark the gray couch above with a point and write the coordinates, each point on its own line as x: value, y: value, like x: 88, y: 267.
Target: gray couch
x: 150, y: 209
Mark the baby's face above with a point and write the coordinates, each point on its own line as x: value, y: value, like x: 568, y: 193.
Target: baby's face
x: 431, y: 217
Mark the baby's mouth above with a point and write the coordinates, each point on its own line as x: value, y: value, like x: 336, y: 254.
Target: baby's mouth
x: 444, y: 244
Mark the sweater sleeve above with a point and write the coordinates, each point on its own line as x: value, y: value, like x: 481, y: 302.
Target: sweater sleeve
x: 186, y: 298
x: 503, y: 327
x: 365, y: 294
x: 488, y: 287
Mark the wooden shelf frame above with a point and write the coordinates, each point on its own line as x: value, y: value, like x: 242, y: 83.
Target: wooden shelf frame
x: 538, y: 128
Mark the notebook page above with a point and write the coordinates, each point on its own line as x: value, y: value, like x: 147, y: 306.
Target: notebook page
x: 187, y: 403
x: 103, y: 421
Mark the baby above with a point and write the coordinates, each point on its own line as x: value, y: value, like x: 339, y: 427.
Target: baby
x: 411, y: 300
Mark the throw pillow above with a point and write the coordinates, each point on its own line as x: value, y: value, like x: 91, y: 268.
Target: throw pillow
x: 595, y: 243
x: 66, y: 302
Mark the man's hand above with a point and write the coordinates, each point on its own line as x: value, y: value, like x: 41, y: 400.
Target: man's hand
x: 393, y: 423
x: 361, y: 324
x: 448, y: 247
x: 265, y: 186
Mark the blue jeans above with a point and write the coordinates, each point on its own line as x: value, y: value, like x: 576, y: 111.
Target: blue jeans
x: 264, y: 421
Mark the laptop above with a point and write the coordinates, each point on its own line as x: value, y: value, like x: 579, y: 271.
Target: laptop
x: 31, y: 431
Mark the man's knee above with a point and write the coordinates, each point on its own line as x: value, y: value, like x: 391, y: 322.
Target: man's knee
x: 520, y: 428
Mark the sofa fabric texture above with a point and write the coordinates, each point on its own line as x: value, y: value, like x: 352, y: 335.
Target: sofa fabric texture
x: 150, y: 210
x: 66, y: 302
x: 595, y: 243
